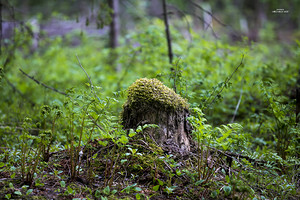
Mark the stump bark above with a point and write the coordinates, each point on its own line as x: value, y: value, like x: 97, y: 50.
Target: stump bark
x: 151, y: 102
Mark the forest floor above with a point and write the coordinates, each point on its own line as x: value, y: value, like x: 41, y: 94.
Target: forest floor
x: 137, y: 170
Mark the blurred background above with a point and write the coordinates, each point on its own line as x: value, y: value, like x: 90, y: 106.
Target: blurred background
x: 259, y: 20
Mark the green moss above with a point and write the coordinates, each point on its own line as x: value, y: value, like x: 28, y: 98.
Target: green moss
x: 153, y: 92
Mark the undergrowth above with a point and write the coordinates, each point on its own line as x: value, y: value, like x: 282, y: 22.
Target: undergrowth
x: 67, y: 140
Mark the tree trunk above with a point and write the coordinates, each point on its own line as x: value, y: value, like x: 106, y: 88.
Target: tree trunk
x: 168, y: 36
x: 114, y: 33
x: 115, y: 24
x: 0, y: 27
x: 298, y: 100
x: 151, y: 102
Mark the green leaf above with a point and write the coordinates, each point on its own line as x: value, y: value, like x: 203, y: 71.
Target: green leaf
x: 123, y: 161
x: 137, y: 189
x: 133, y: 151
x: 106, y: 190
x: 13, y: 175
x: 178, y: 172
x: 95, y: 156
x: 155, y: 188
x: 103, y: 143
x: 24, y: 187
x: 97, y: 194
x: 114, y: 192
x: 18, y: 193
x: 2, y: 164
x: 131, y: 133
x: 123, y: 139
x: 63, y: 184
x: 70, y: 190
x: 227, y: 190
x: 128, y: 188
x: 8, y: 196
x: 160, y: 182
x: 138, y: 196
x: 214, y: 194
x: 29, y: 191
x: 170, y: 190
x: 199, y: 182
x: 227, y: 179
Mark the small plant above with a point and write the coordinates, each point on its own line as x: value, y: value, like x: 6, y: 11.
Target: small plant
x: 29, y: 162
x: 106, y: 192
x: 48, y: 136
x: 131, y: 188
x: 203, y: 134
x: 284, y: 127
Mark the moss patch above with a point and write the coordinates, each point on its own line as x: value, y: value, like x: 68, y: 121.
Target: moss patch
x: 145, y: 92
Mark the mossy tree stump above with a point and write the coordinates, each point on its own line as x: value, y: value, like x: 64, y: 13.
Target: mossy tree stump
x: 151, y: 102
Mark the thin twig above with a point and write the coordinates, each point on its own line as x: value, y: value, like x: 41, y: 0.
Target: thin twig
x: 225, y: 83
x: 201, y: 8
x: 92, y: 86
x: 237, y: 106
x: 20, y: 128
x: 93, y: 120
x: 40, y: 83
x: 15, y: 89
x: 127, y: 68
x: 209, y: 25
x: 215, y: 18
x: 186, y: 20
x: 175, y: 74
x: 167, y: 32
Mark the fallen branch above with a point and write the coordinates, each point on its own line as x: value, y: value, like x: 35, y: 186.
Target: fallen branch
x: 40, y: 83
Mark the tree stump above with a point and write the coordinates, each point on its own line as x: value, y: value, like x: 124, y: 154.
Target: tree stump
x: 151, y: 102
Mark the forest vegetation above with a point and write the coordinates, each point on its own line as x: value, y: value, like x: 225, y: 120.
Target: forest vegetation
x: 72, y: 74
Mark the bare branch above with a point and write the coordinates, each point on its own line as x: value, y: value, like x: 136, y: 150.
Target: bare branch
x: 94, y: 121
x: 201, y: 8
x: 208, y: 24
x: 186, y: 20
x: 92, y: 86
x: 127, y: 68
x: 226, y: 81
x: 15, y: 89
x: 40, y: 83
x: 216, y: 19
x: 237, y: 106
